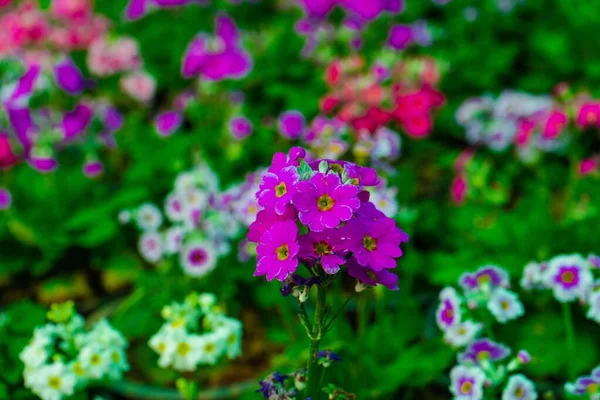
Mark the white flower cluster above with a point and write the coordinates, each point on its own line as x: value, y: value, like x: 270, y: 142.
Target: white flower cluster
x: 63, y: 357
x: 199, y: 224
x: 511, y: 118
x: 195, y: 333
x: 570, y: 277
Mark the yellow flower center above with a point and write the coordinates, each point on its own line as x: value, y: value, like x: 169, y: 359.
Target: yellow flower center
x: 78, y: 369
x: 483, y: 279
x: 369, y: 243
x: 283, y: 252
x: 54, y: 382
x: 462, y: 331
x: 183, y: 349
x: 519, y: 392
x: 209, y: 347
x: 448, y: 313
x: 325, y: 202
x: 593, y: 388
x: 322, y: 248
x: 337, y: 168
x: 466, y: 387
x: 178, y: 323
x: 95, y: 359
x: 568, y: 277
x: 505, y: 305
x: 231, y: 339
x: 280, y: 189
x: 483, y: 355
x: 115, y: 357
x: 161, y: 347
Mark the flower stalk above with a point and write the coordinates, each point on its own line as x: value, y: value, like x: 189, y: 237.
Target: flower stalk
x: 312, y: 382
x: 569, y: 336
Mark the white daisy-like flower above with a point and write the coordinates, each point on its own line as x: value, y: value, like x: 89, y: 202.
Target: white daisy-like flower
x: 174, y: 239
x: 34, y: 355
x: 569, y: 276
x: 185, y: 181
x: 198, y: 258
x: 467, y: 383
x: 210, y: 347
x: 519, y: 388
x: 461, y: 334
x: 163, y: 343
x: 148, y: 217
x: 594, y: 306
x: 175, y: 207
x: 533, y: 276
x: 95, y: 361
x: 117, y: 363
x: 385, y: 200
x: 188, y: 352
x: 150, y: 246
x: 193, y: 199
x: 53, y: 382
x: 504, y: 305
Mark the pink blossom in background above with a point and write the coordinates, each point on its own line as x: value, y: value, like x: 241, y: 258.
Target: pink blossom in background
x: 7, y: 155
x: 108, y: 57
x: 458, y: 190
x: 401, y: 36
x: 291, y: 124
x: 554, y: 125
x: 588, y: 114
x: 225, y: 59
x: 138, y: 85
x: 71, y: 9
x: 240, y: 127
x: 168, y: 122
x: 93, y: 168
x: 588, y: 166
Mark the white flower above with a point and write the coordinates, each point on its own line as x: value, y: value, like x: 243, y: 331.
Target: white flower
x: 385, y: 200
x: 193, y: 199
x: 207, y: 301
x: 504, y: 305
x: 150, y: 246
x: 34, y: 355
x: 231, y: 331
x: 185, y: 181
x: 104, y: 334
x: 187, y: 352
x: 532, y: 276
x: 448, y: 312
x: 594, y: 304
x: 148, y: 217
x: 174, y: 239
x: 198, y: 258
x: 163, y: 343
x: 569, y: 277
x: 52, y: 382
x: 124, y: 217
x: 210, y: 347
x: 461, y: 334
x: 94, y: 360
x: 175, y: 208
x: 519, y: 388
x: 467, y: 383
x: 117, y: 363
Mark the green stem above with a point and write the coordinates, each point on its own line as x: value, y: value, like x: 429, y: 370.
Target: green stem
x: 193, y: 389
x: 312, y: 380
x: 570, y: 337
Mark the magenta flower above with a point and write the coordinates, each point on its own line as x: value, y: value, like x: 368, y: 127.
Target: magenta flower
x: 277, y: 251
x: 76, y: 121
x: 587, y: 166
x: 487, y: 275
x: 281, y: 160
x: 588, y: 114
x: 168, y: 122
x: 291, y: 124
x: 325, y: 247
x: 376, y: 239
x: 229, y: 60
x: 93, y: 168
x: 278, y: 189
x: 484, y: 349
x: 5, y: 199
x: 69, y: 78
x: 401, y: 36
x: 323, y: 201
x: 554, y: 125
x: 371, y: 278
x: 26, y: 83
x: 265, y: 219
x: 7, y: 155
x: 448, y: 312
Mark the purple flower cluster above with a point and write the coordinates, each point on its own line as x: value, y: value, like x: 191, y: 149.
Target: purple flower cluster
x: 319, y: 215
x: 587, y: 385
x: 36, y: 134
x: 281, y: 386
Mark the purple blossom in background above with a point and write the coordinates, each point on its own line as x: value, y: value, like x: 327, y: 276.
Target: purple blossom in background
x: 5, y: 199
x: 43, y: 163
x: 225, y: 59
x: 23, y: 126
x: 240, y: 127
x: 113, y: 119
x: 448, y: 312
x: 168, y: 122
x: 491, y: 275
x: 569, y: 277
x: 483, y: 349
x: 401, y: 36
x: 291, y: 124
x: 76, y: 121
x: 26, y: 83
x: 138, y: 8
x: 93, y: 168
x: 69, y: 78
x: 370, y: 277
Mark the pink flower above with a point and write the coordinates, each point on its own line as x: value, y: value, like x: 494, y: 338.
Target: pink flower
x: 265, y: 219
x: 281, y: 160
x: 277, y: 251
x: 554, y: 125
x: 370, y: 277
x: 93, y: 168
x: 291, y: 124
x: 71, y: 9
x: 139, y: 85
x: 325, y: 247
x: 525, y: 130
x: 376, y: 239
x: 7, y: 156
x: 401, y: 36
x: 323, y: 201
x: 588, y: 166
x: 168, y: 122
x: 589, y: 114
x: 108, y: 57
x: 458, y: 190
x: 278, y: 189
x: 240, y: 127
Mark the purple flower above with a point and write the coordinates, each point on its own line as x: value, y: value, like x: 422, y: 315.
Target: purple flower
x: 377, y: 240
x: 76, y: 121
x: 327, y: 357
x: 278, y: 189
x: 281, y: 160
x: 277, y: 251
x: 26, y: 83
x: 229, y: 60
x: 112, y: 119
x: 265, y: 219
x: 519, y: 388
x: 491, y: 275
x: 370, y: 277
x: 69, y: 78
x: 93, y: 168
x: 594, y: 260
x: 483, y: 349
x: 323, y: 201
x: 240, y: 127
x: 448, y: 312
x: 291, y: 124
x: 5, y: 199
x: 467, y: 383
x: 584, y: 385
x: 569, y: 277
x: 168, y: 122
x: 136, y: 9
x: 22, y: 123
x: 524, y: 357
x: 325, y: 247
x: 43, y: 163
x: 401, y: 36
